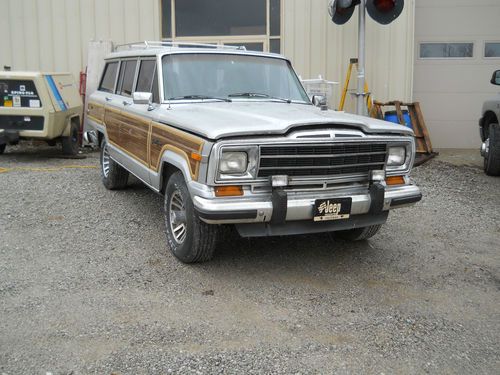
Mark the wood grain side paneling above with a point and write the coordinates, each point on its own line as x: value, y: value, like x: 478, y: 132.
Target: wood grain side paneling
x: 112, y: 122
x: 164, y: 137
x: 134, y: 132
x: 96, y: 112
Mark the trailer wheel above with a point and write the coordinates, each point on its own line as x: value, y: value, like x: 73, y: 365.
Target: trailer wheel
x: 70, y: 144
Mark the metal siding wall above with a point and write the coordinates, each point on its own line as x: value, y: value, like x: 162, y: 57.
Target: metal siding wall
x: 317, y: 46
x: 53, y: 35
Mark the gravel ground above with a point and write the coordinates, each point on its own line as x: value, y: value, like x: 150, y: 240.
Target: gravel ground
x: 87, y: 284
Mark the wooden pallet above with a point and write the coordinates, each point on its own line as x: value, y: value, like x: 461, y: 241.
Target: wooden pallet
x: 422, y: 138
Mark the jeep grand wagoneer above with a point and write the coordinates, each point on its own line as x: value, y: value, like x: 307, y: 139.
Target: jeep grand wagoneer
x: 230, y: 137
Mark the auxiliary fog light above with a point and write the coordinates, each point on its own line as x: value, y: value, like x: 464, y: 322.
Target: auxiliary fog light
x: 377, y: 175
x: 279, y: 181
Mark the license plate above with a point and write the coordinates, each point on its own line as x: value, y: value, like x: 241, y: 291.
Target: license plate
x: 332, y: 209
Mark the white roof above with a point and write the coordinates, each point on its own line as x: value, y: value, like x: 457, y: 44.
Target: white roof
x: 165, y: 48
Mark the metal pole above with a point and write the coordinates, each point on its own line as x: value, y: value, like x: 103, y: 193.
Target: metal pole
x: 360, y: 104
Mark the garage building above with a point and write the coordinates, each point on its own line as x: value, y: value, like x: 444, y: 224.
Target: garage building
x: 412, y: 58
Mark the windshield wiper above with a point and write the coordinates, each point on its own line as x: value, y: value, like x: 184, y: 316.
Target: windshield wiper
x: 258, y: 95
x: 200, y: 97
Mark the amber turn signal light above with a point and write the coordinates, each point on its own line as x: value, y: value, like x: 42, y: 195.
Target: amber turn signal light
x: 228, y: 191
x: 395, y: 180
x: 196, y: 156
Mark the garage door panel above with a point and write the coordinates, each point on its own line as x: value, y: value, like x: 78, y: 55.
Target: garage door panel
x: 453, y: 78
x: 450, y: 106
x: 455, y: 134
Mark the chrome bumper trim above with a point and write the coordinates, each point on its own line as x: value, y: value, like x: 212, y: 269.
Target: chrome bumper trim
x: 299, y: 206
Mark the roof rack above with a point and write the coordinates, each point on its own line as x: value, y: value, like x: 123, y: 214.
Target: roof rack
x: 159, y: 44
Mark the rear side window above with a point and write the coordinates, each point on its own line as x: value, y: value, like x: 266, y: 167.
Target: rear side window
x: 109, y: 77
x: 19, y: 94
x: 126, y: 80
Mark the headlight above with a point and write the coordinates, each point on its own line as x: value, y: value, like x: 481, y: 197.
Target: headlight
x: 397, y: 156
x: 233, y: 162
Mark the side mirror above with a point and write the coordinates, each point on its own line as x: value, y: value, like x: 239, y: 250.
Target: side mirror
x: 319, y: 100
x: 496, y: 78
x: 142, y: 97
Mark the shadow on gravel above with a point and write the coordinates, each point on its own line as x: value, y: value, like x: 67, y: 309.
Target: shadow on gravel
x: 322, y: 250
x: 32, y: 154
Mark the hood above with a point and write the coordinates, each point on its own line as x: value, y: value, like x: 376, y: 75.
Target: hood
x: 215, y: 120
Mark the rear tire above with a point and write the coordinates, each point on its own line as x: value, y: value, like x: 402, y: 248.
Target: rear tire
x: 2, y: 148
x: 492, y: 159
x: 359, y: 234
x: 71, y: 144
x: 190, y: 240
x: 113, y: 175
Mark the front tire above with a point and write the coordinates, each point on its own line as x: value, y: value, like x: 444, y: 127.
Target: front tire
x: 492, y: 157
x: 2, y: 148
x: 113, y: 175
x: 190, y: 240
x: 70, y: 144
x: 359, y: 234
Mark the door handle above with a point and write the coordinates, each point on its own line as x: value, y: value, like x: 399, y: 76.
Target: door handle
x: 156, y: 142
x: 108, y: 99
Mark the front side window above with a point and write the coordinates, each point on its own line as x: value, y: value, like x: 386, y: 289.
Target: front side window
x: 19, y: 93
x: 194, y: 75
x: 147, y: 80
x: 126, y: 79
x: 109, y: 77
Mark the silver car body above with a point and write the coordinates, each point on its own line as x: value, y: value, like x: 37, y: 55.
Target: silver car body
x: 253, y: 125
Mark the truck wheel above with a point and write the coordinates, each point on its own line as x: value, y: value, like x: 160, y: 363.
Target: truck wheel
x: 2, y: 148
x: 113, y: 175
x: 359, y: 234
x: 492, y: 157
x: 70, y: 144
x: 190, y: 239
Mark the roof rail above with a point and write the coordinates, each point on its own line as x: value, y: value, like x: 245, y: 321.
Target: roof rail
x: 165, y: 44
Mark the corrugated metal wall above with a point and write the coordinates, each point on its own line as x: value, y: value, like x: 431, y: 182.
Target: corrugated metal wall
x: 317, y: 46
x: 52, y: 35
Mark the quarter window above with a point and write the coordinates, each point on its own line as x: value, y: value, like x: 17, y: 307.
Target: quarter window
x: 109, y: 77
x: 492, y: 49
x: 446, y: 50
x: 126, y: 80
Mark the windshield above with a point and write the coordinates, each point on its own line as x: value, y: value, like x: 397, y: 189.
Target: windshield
x: 223, y: 76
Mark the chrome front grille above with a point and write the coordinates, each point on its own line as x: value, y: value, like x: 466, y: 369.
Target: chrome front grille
x: 320, y: 160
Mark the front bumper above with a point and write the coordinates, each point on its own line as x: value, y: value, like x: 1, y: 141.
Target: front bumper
x: 300, y: 205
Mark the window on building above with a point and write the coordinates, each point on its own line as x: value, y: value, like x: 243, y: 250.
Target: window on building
x: 109, y: 77
x: 446, y: 50
x: 126, y: 79
x: 255, y: 23
x: 492, y: 49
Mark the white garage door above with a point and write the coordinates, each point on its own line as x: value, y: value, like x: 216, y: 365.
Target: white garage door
x: 457, y: 49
